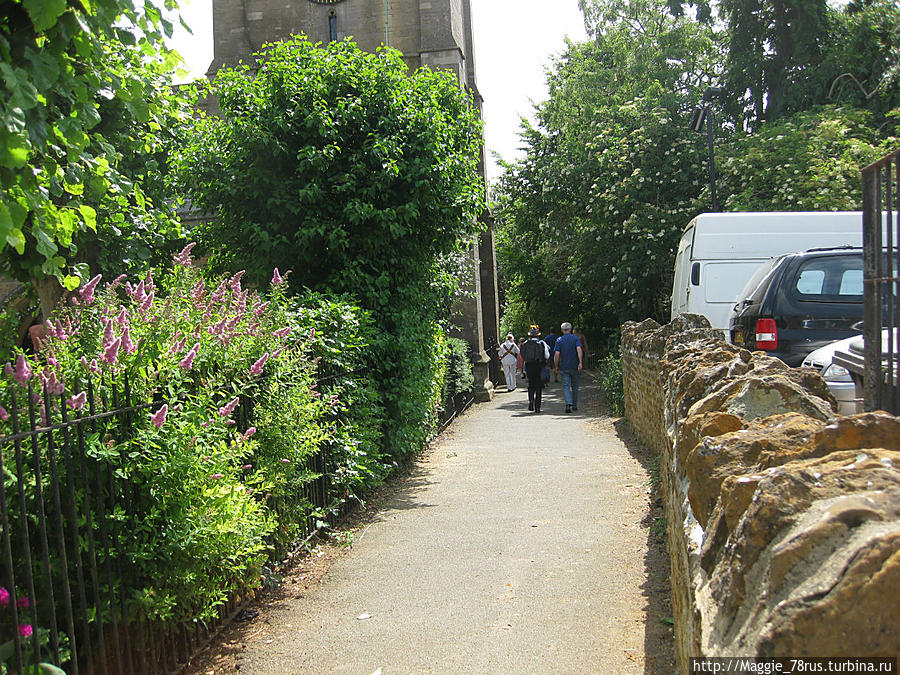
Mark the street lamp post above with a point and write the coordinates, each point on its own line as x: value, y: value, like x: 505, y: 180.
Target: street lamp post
x: 705, y: 113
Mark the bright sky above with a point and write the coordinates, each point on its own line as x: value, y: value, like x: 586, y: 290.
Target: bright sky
x: 514, y: 40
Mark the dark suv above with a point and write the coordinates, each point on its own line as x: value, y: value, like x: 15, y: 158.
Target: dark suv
x: 799, y: 302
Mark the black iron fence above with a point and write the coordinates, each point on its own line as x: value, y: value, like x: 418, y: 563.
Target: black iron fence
x: 66, y: 506
x: 881, y: 251
x: 67, y: 584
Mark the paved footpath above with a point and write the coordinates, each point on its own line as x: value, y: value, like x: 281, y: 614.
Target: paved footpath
x: 515, y: 546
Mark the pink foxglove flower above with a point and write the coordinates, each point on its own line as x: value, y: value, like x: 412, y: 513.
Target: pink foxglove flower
x: 282, y: 333
x: 257, y: 368
x: 112, y: 352
x: 87, y: 291
x: 77, y: 402
x: 184, y: 256
x: 188, y: 361
x: 277, y: 280
x: 228, y: 408
x: 159, y: 417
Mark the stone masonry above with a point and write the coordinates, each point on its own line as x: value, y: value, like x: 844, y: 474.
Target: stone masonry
x: 432, y: 33
x: 783, y: 519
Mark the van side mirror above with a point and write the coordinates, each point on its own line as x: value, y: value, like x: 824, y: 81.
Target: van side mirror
x: 695, y: 274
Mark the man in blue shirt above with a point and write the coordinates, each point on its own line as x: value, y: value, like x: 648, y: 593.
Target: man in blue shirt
x: 568, y: 359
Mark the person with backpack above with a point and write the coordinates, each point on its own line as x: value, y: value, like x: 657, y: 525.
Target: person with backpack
x: 535, y: 355
x: 508, y: 353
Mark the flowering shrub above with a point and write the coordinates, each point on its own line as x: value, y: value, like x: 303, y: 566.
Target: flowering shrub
x: 16, y: 622
x: 196, y: 483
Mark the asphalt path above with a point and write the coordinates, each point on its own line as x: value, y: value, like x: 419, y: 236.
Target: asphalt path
x: 517, y: 544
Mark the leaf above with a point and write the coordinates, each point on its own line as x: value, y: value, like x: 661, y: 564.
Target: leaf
x: 89, y: 214
x: 70, y: 282
x: 16, y: 239
x: 44, y: 13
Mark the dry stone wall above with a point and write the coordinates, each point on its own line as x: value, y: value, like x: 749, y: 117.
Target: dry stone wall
x: 783, y: 519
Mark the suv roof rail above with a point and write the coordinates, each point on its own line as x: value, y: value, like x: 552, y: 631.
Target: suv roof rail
x: 845, y: 247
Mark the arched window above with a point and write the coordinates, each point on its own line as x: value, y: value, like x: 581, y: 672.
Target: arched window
x: 332, y: 26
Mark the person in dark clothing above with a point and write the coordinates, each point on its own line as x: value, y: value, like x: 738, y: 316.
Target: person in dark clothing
x: 535, y: 355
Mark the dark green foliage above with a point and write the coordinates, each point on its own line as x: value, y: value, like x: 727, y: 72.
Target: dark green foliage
x: 359, y: 177
x: 86, y: 113
x: 459, y: 378
x: 609, y: 374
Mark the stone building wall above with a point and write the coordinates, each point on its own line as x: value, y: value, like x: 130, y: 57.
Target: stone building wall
x: 783, y: 519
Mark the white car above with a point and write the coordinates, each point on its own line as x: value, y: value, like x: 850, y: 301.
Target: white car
x: 836, y: 377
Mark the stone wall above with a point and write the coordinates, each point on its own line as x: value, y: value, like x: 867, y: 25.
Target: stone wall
x: 783, y: 519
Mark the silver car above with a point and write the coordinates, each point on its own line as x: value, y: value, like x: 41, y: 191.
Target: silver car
x: 836, y: 377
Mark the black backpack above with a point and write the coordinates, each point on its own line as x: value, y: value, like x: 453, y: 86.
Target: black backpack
x: 533, y: 352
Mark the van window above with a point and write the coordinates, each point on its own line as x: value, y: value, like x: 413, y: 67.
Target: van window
x: 831, y: 278
x: 722, y: 282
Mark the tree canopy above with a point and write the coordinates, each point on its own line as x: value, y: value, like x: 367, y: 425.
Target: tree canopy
x: 589, y: 218
x: 340, y: 165
x: 84, y: 96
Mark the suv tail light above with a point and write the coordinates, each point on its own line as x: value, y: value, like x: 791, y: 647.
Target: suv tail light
x: 766, y: 334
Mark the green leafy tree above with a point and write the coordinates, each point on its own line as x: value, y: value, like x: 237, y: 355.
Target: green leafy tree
x: 590, y: 216
x: 809, y: 161
x: 85, y: 114
x: 360, y: 177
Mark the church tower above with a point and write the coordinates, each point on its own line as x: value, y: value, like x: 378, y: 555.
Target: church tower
x: 432, y: 33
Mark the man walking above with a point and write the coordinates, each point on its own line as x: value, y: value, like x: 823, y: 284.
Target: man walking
x: 535, y: 355
x: 568, y: 359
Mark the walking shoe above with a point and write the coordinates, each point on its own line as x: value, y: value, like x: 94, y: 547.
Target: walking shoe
x: 568, y: 408
x: 537, y: 410
x: 531, y: 406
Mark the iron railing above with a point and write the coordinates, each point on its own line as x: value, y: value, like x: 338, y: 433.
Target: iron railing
x: 881, y: 256
x: 65, y: 507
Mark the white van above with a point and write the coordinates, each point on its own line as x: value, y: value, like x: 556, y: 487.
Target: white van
x: 719, y: 252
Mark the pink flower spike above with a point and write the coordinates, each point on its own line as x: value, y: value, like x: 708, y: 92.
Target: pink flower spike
x: 159, y: 417
x: 77, y: 402
x: 87, y: 291
x: 276, y: 278
x: 262, y: 308
x: 277, y: 352
x: 217, y: 476
x: 257, y: 368
x: 188, y: 361
x: 148, y: 301
x: 235, y: 282
x: 184, y: 257
x: 94, y: 368
x: 249, y: 433
x: 282, y: 333
x: 112, y: 352
x: 285, y: 461
x: 226, y: 410
x: 312, y: 333
x: 108, y: 335
x: 25, y: 629
x: 122, y: 317
x: 247, y: 467
x: 3, y: 416
x: 22, y: 372
x: 118, y: 280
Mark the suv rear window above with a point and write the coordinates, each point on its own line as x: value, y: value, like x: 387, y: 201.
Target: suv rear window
x: 838, y: 278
